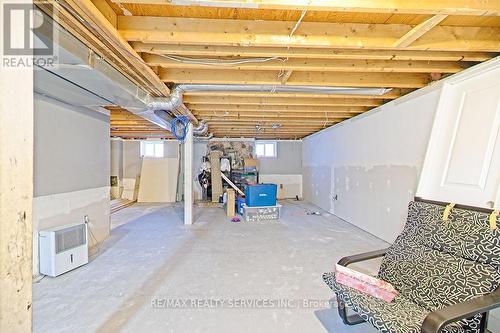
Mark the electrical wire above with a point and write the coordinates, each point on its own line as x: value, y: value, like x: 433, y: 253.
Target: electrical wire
x: 219, y: 62
x: 94, y: 238
x: 298, y: 22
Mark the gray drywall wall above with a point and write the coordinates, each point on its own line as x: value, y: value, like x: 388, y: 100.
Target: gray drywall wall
x: 287, y: 162
x: 132, y: 161
x: 72, y: 150
x: 171, y: 149
x: 116, y: 146
x: 371, y: 163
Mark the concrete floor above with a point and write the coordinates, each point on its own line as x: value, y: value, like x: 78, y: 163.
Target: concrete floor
x: 151, y: 259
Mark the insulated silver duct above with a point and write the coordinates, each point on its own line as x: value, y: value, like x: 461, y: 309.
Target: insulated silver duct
x: 201, y: 129
x: 175, y: 99
x: 170, y: 103
x: 281, y: 88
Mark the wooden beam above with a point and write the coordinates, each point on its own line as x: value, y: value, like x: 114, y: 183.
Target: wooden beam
x: 196, y: 101
x: 310, y: 34
x: 286, y: 75
x: 419, y: 30
x: 449, y: 7
x: 394, y: 93
x: 104, y: 29
x: 313, y: 65
x: 277, y: 108
x: 309, y: 53
x: 384, y: 80
x: 106, y: 10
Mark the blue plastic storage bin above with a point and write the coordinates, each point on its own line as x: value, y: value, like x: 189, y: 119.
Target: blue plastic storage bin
x: 261, y: 195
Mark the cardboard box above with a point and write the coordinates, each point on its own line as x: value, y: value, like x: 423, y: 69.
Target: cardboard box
x: 251, y: 162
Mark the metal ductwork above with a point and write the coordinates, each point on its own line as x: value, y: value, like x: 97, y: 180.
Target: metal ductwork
x: 175, y: 99
x: 170, y: 103
x: 201, y: 129
x: 280, y: 88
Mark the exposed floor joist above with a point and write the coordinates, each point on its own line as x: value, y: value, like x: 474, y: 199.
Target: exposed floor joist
x: 314, y: 65
x: 335, y: 79
x: 309, y: 34
x: 309, y: 53
x: 457, y: 7
x: 403, y: 45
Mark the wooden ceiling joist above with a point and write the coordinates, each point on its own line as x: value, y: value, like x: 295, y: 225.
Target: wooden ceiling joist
x: 455, y: 7
x: 309, y: 34
x: 313, y: 65
x: 88, y: 12
x: 309, y: 53
x: 335, y: 79
x: 347, y: 43
x: 278, y: 108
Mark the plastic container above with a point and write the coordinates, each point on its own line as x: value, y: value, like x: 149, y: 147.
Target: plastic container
x: 261, y: 195
x: 260, y: 214
x: 240, y: 201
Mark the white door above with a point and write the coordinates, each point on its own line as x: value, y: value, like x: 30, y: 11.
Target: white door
x: 462, y: 164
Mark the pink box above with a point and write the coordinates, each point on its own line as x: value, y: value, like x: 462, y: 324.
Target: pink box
x: 365, y: 283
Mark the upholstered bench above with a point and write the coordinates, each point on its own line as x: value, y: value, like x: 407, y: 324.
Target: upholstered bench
x: 447, y: 273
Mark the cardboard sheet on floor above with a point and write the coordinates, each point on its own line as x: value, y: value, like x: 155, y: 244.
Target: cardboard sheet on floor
x: 158, y: 180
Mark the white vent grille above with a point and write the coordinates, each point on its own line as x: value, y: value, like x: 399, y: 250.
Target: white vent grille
x: 70, y: 238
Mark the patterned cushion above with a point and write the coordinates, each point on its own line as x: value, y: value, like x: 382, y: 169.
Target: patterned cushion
x: 433, y: 263
x: 467, y: 235
x: 399, y: 316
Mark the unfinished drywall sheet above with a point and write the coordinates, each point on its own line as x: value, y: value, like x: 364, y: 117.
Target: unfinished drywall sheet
x: 72, y: 150
x: 132, y: 160
x: 370, y: 163
x: 362, y: 191
x: 67, y: 208
x: 288, y: 160
x: 317, y: 186
x: 289, y: 186
x: 116, y: 171
x: 130, y: 190
x: 158, y: 180
x: 71, y: 170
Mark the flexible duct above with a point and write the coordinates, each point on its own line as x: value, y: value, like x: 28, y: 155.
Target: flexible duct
x: 175, y: 99
x: 201, y: 129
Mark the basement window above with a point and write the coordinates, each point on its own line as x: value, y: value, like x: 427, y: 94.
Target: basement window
x: 265, y: 149
x: 152, y: 149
